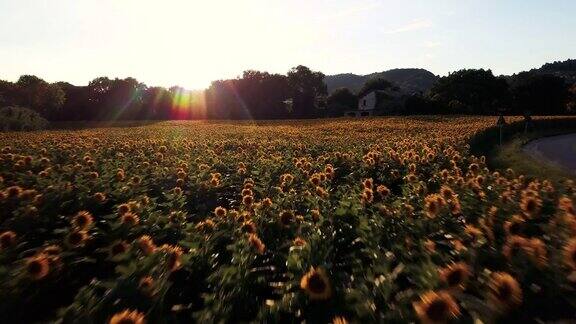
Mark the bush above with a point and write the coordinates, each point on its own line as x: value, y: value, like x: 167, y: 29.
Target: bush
x: 21, y: 119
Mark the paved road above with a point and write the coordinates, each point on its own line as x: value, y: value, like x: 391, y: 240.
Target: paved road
x: 559, y: 150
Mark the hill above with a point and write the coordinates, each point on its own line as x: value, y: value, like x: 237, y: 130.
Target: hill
x: 410, y: 80
x: 565, y: 69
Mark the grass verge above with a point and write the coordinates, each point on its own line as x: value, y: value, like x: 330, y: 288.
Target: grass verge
x: 511, y: 155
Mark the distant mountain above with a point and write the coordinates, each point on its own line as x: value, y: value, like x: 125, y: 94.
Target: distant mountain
x: 409, y: 80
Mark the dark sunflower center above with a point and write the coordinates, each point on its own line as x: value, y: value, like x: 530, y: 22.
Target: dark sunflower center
x: 34, y: 267
x: 126, y: 321
x: 118, y: 248
x: 316, y: 284
x: 573, y: 255
x: 515, y: 228
x: 530, y: 205
x: 455, y: 277
x: 437, y: 310
x: 81, y: 221
x: 504, y: 291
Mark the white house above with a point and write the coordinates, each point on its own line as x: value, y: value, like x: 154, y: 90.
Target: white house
x: 382, y: 100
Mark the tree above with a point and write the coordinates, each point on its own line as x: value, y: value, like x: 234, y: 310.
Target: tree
x: 539, y: 93
x: 37, y: 94
x: 306, y: 87
x: 341, y: 100
x: 475, y: 91
x: 376, y: 84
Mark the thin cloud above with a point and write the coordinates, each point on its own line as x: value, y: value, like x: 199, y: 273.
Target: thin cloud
x: 417, y: 24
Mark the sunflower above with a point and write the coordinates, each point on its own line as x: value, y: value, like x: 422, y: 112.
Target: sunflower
x: 513, y: 246
x: 267, y: 202
x: 146, y: 286
x: 38, y: 267
x: 505, y: 292
x: 315, y: 215
x: 368, y: 183
x: 123, y: 209
x: 13, y: 192
x: 433, y: 204
x: 436, y: 307
x: 174, y: 256
x: 565, y: 204
x: 146, y: 245
x: 570, y: 253
x: 299, y: 241
x: 255, y: 241
x: 130, y: 219
x: 247, y: 200
x: 530, y: 205
x: 321, y: 192
x: 430, y: 246
x: 220, y: 211
x: 514, y: 225
x: 7, y: 240
x: 447, y: 192
x: 76, y: 238
x: 339, y: 320
x: 383, y: 191
x: 128, y: 317
x: 455, y: 275
x: 367, y: 196
x: 537, y: 252
x: 316, y: 284
x: 82, y: 220
x: 99, y: 197
x: 473, y: 232
x: 249, y: 227
x: 118, y: 248
x: 286, y: 218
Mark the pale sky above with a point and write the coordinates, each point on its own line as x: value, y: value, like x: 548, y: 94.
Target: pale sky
x: 192, y: 42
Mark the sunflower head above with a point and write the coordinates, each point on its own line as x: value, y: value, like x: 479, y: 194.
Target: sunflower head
x: 128, y: 317
x: 570, y: 253
x: 129, y: 219
x: 256, y: 243
x: 118, y: 248
x: 455, y: 275
x: 146, y: 285
x: 286, y: 217
x: 7, y: 240
x: 530, y: 205
x: 123, y: 209
x: 316, y: 284
x: 513, y: 246
x: 220, y: 211
x: 145, y: 244
x: 38, y: 267
x: 505, y: 292
x: 436, y: 307
x: 82, y: 220
x: 76, y: 238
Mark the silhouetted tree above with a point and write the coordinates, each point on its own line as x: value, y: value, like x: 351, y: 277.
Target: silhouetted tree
x: 340, y: 101
x: 539, y: 93
x: 472, y: 91
x: 307, y: 87
x: 376, y: 84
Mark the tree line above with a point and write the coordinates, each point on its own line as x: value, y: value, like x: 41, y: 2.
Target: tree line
x: 300, y: 93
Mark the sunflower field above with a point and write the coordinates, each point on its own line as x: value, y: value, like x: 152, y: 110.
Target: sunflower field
x: 385, y: 220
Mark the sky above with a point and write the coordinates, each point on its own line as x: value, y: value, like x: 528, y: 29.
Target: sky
x: 191, y: 42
